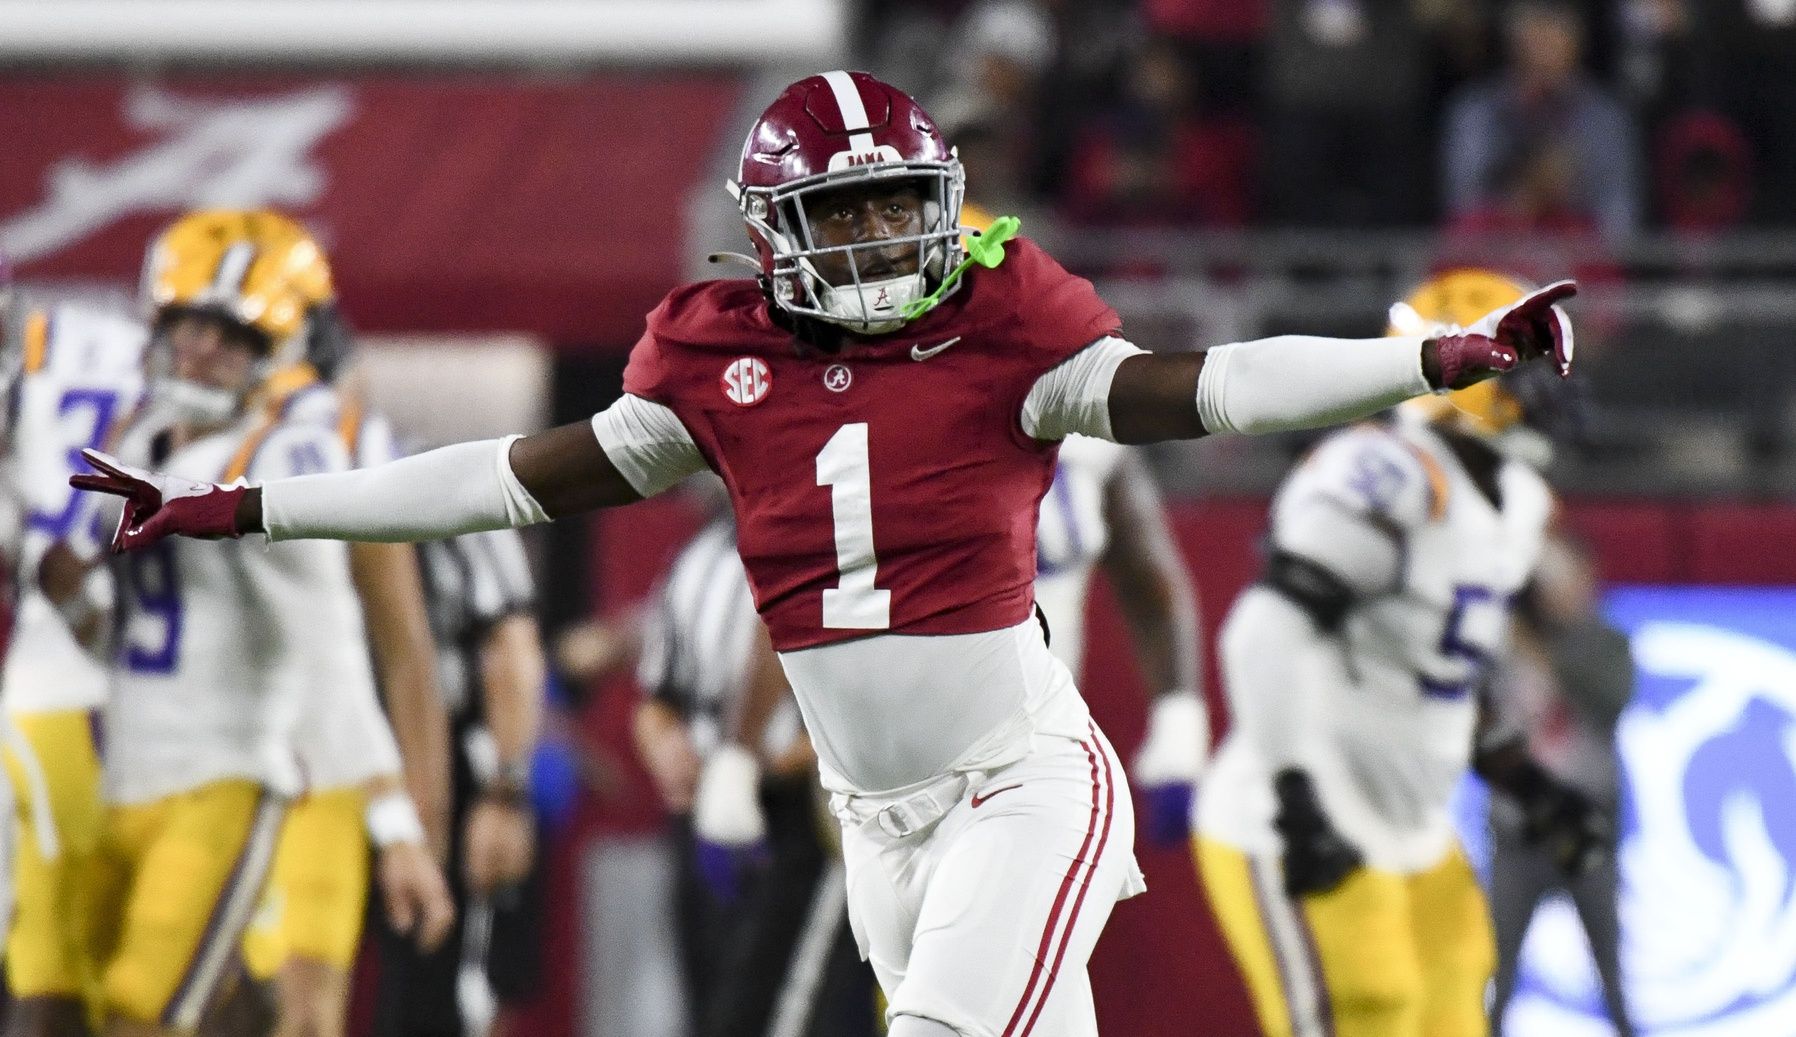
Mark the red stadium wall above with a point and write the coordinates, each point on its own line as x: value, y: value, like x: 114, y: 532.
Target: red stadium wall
x: 1161, y: 964
x: 449, y: 202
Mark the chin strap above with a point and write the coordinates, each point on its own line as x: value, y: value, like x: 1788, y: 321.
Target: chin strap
x: 985, y: 248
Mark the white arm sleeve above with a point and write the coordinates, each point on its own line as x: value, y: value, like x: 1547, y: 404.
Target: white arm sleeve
x: 1299, y: 381
x: 1075, y: 395
x: 442, y: 493
x: 647, y: 444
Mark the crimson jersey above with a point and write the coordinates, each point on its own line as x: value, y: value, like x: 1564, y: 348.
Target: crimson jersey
x: 888, y: 487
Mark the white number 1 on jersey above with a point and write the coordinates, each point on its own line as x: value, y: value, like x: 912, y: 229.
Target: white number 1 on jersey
x: 853, y: 603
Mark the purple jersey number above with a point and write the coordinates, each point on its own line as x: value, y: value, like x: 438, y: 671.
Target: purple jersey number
x: 1454, y: 645
x: 155, y: 586
x: 98, y: 405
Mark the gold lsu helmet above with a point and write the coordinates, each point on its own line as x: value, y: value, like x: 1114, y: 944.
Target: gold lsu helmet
x: 256, y: 267
x: 1460, y: 298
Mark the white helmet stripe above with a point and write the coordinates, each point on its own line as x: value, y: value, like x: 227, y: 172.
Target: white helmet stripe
x: 853, y: 109
x: 233, y: 267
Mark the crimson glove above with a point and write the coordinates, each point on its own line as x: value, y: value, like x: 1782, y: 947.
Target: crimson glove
x: 158, y: 506
x: 1531, y: 328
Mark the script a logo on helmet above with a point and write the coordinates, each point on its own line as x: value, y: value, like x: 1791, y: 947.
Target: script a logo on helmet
x: 746, y: 381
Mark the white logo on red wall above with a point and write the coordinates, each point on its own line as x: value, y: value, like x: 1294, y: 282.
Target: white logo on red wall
x: 747, y: 381
x: 246, y: 152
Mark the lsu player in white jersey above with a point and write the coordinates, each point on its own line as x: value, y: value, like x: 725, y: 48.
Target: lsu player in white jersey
x: 1103, y: 511
x: 1354, y: 671
x: 78, y: 371
x: 221, y: 655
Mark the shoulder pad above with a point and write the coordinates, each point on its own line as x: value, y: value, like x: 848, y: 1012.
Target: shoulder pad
x: 716, y: 314
x: 1373, y: 470
x: 78, y: 341
x: 294, y: 448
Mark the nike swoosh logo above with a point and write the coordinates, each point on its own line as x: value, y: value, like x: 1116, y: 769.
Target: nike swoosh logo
x: 977, y: 799
x: 919, y: 353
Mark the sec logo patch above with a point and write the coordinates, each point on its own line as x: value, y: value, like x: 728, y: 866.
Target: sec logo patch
x: 747, y: 381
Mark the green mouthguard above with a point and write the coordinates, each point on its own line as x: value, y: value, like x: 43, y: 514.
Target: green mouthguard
x: 985, y: 248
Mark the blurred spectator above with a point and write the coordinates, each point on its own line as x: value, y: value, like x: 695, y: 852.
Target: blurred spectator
x: 1571, y: 680
x: 1533, y: 191
x: 1702, y: 166
x: 1155, y: 157
x: 1661, y: 58
x: 1007, y: 73
x: 1344, y: 92
x: 1757, y: 41
x: 1543, y: 109
x: 995, y: 57
x: 1207, y: 20
x: 997, y: 175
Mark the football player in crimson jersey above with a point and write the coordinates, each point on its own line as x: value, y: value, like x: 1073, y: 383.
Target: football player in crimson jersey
x: 885, y: 412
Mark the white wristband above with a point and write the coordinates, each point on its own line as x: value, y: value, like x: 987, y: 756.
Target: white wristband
x: 393, y: 819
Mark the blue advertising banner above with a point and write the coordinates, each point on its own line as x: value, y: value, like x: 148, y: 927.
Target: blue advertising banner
x: 1708, y: 829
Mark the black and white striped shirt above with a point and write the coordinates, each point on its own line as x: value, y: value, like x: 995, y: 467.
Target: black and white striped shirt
x: 698, y: 643
x: 471, y: 583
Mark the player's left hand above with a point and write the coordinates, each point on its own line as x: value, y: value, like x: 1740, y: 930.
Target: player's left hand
x: 498, y: 844
x: 1575, y: 832
x: 158, y: 506
x: 1531, y: 329
x: 416, y: 896
x: 1168, y: 764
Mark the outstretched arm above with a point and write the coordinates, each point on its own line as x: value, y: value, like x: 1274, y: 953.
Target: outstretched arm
x: 633, y: 449
x: 1299, y: 381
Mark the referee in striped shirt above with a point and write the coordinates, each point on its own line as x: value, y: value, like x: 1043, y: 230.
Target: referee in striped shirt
x: 481, y: 603
x: 762, y: 909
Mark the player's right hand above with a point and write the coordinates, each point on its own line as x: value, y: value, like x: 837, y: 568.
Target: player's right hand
x: 158, y: 506
x: 1317, y: 857
x: 416, y: 895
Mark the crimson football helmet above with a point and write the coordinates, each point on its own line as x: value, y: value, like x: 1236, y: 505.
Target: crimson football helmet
x: 826, y: 132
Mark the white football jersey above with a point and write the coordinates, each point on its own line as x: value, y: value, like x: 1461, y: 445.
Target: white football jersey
x: 1397, y: 710
x: 1071, y: 534
x: 342, y: 738
x: 81, y: 371
x: 224, y: 644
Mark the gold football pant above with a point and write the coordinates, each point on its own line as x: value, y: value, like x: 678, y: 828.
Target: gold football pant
x: 316, y: 897
x: 54, y: 768
x: 175, y: 882
x: 1382, y: 955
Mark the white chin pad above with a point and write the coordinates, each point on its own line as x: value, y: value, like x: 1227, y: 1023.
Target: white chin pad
x: 872, y: 305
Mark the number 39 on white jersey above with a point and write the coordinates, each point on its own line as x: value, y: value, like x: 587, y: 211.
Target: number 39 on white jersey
x: 80, y: 371
x: 224, y: 645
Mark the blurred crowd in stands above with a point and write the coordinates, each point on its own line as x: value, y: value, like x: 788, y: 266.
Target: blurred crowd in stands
x: 1602, y: 118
